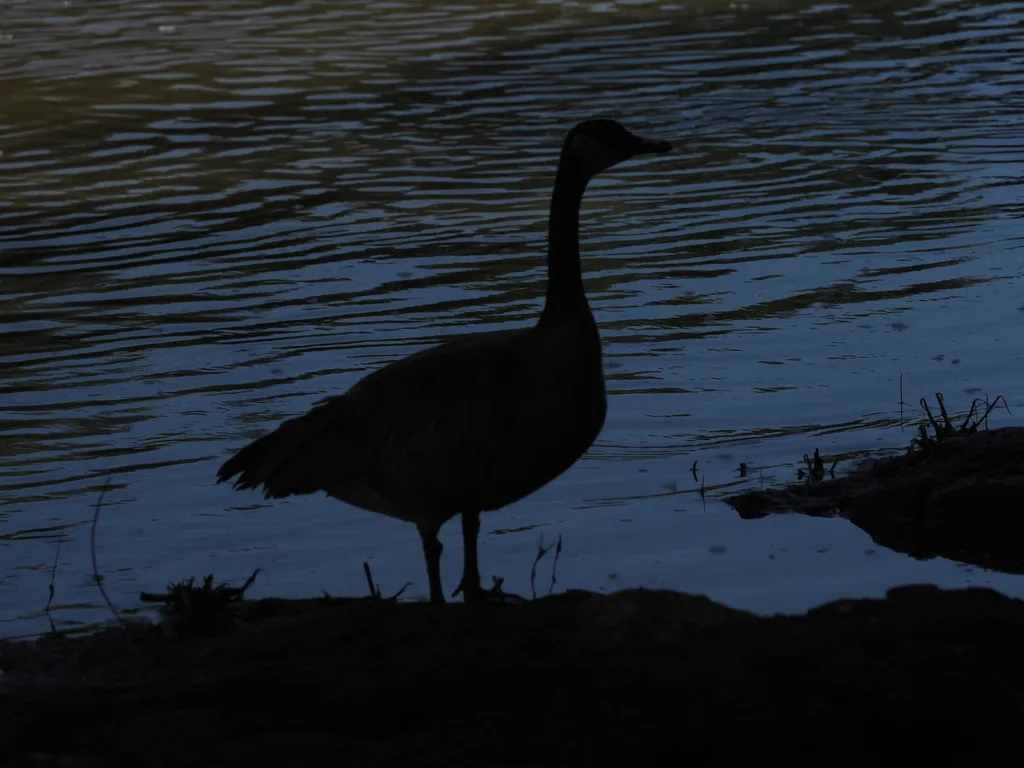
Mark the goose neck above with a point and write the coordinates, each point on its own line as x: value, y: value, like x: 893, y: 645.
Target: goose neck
x: 565, y: 294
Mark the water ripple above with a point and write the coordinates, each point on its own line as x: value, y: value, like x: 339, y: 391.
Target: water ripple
x: 214, y: 215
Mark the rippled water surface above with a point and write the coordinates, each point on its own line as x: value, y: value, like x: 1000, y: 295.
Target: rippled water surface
x: 213, y: 215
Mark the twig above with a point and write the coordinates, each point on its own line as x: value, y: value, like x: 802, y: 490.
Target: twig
x: 946, y: 423
x: 970, y: 413
x: 248, y: 582
x: 988, y: 409
x: 399, y: 593
x: 541, y: 551
x: 554, y: 568
x: 939, y: 431
x: 92, y: 546
x: 53, y: 578
x: 901, y: 402
x: 374, y: 590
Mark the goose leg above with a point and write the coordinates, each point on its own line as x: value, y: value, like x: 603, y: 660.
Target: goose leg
x: 432, y: 549
x: 470, y: 584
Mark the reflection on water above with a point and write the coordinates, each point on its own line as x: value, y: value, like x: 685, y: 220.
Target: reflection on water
x: 214, y: 215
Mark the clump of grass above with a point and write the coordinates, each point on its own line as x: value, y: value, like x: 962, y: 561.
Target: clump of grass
x: 816, y: 468
x: 945, y: 428
x: 191, y: 610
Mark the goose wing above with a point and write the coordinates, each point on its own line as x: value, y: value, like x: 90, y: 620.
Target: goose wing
x: 477, y: 422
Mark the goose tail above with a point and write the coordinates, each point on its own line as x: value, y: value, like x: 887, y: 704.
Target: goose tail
x: 290, y: 460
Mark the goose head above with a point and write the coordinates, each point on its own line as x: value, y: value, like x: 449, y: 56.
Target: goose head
x: 596, y: 145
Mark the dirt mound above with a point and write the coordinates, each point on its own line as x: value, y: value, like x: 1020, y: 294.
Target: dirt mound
x: 959, y: 495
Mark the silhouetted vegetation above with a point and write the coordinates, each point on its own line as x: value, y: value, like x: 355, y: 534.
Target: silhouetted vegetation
x: 957, y: 492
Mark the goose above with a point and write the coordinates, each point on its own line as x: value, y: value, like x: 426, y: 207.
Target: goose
x: 475, y: 423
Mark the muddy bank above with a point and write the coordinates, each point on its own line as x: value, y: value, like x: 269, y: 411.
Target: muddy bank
x: 956, y: 494
x: 573, y: 679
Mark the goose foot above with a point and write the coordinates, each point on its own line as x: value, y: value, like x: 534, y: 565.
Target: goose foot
x: 495, y: 594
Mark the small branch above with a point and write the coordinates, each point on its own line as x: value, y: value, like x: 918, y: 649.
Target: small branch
x: 970, y: 415
x: 394, y: 598
x: 92, y: 546
x: 53, y: 578
x: 928, y: 413
x: 374, y: 590
x: 554, y: 568
x: 901, y: 402
x: 248, y: 582
x: 983, y: 419
x: 541, y: 551
x: 946, y: 423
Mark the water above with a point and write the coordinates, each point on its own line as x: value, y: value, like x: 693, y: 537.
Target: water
x: 209, y: 219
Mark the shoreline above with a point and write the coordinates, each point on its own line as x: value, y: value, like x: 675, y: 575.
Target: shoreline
x: 563, y: 680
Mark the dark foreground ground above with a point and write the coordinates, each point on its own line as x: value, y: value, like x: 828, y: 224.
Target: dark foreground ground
x: 635, y: 678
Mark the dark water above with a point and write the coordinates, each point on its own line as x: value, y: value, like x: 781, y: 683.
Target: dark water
x: 209, y: 219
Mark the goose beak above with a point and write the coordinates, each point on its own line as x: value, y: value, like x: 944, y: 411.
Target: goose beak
x: 649, y: 147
